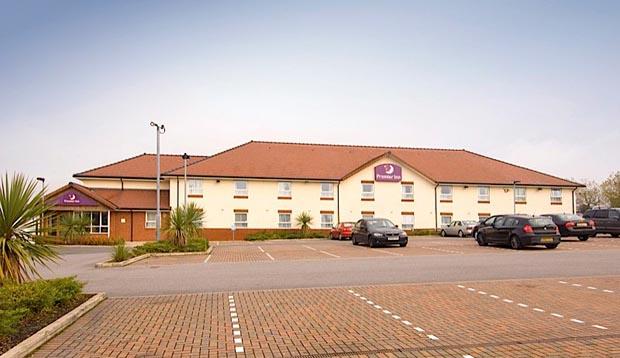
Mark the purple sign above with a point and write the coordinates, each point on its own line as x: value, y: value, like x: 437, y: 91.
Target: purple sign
x: 388, y: 172
x: 73, y: 197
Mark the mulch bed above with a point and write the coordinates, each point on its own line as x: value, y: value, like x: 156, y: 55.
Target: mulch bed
x: 33, y: 324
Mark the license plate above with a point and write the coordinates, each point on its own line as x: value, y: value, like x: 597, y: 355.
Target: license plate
x: 546, y: 239
x: 582, y: 224
x: 393, y: 238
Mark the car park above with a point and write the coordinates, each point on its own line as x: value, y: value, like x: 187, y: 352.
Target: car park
x: 460, y: 228
x: 607, y: 221
x: 378, y: 232
x: 342, y: 231
x: 518, y: 231
x: 573, y: 225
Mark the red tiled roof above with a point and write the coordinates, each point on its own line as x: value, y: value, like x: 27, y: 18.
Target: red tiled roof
x: 135, y: 198
x: 143, y: 166
x: 276, y: 160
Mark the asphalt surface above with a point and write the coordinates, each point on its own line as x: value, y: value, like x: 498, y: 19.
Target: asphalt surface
x: 141, y: 280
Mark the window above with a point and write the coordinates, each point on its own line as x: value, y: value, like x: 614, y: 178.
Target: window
x: 151, y: 217
x: 482, y: 217
x: 511, y: 222
x: 499, y: 222
x: 284, y: 220
x: 284, y: 189
x: 98, y: 221
x: 520, y: 195
x: 327, y: 220
x: 446, y: 220
x: 484, y: 193
x: 368, y: 191
x: 556, y: 196
x: 327, y: 190
x: 241, y: 188
x: 445, y: 193
x: 601, y: 214
x: 408, y: 221
x: 407, y: 191
x: 194, y: 187
x: 368, y: 215
x: 614, y: 214
x: 241, y: 219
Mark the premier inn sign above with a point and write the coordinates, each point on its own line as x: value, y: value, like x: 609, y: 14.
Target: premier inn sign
x: 388, y: 172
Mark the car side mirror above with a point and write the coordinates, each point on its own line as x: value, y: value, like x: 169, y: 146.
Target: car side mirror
x: 396, y: 225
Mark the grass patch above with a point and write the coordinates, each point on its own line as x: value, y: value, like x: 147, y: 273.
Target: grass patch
x: 26, y: 308
x: 285, y: 235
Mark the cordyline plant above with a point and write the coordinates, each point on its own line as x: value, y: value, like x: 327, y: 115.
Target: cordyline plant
x: 73, y: 226
x: 21, y: 210
x: 184, y: 223
x: 304, y: 220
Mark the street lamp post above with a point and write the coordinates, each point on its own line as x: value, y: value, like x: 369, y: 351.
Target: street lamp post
x: 40, y: 224
x: 185, y: 159
x: 160, y: 130
x: 514, y: 196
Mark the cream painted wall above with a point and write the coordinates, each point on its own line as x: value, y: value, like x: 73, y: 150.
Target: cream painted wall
x: 127, y: 184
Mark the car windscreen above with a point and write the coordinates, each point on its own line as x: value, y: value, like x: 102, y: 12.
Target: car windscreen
x: 380, y: 224
x: 570, y: 217
x: 540, y: 222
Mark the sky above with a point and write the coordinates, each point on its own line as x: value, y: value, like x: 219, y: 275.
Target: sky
x: 535, y: 83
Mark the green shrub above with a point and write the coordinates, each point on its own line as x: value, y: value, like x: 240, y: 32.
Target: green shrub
x: 166, y: 246
x: 20, y: 301
x: 121, y: 252
x: 285, y: 235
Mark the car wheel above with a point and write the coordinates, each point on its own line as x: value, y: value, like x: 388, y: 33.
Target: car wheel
x: 339, y: 237
x: 480, y: 239
x: 615, y: 235
x: 371, y: 242
x: 583, y: 238
x: 354, y: 241
x: 551, y: 246
x: 442, y: 233
x: 461, y: 233
x: 515, y: 243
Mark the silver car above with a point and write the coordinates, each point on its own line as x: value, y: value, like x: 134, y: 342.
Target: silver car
x: 460, y: 228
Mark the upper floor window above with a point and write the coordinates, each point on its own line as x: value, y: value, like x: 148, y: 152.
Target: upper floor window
x: 241, y: 188
x: 484, y: 193
x: 445, y: 192
x: 284, y: 189
x: 327, y: 190
x: 407, y: 191
x: 520, y: 195
x: 194, y: 187
x: 556, y: 195
x: 368, y: 191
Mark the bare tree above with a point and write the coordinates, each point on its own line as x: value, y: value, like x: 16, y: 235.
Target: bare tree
x: 610, y: 189
x: 589, y: 196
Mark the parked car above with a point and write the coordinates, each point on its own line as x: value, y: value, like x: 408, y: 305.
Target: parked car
x: 518, y: 231
x: 376, y: 232
x: 482, y: 223
x: 607, y: 221
x: 460, y: 228
x: 573, y: 225
x: 342, y: 231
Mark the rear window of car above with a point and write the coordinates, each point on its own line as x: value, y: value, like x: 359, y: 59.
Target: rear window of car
x: 347, y: 224
x: 469, y: 222
x: 538, y: 222
x: 569, y: 217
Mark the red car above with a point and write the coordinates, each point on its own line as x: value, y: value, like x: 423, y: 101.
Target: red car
x: 342, y: 231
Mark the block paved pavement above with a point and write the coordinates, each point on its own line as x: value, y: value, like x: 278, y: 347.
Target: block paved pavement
x: 512, y: 318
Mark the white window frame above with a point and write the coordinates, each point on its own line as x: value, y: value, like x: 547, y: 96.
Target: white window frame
x: 284, y: 224
x: 194, y: 187
x: 241, y: 223
x: 446, y: 222
x: 329, y: 193
x: 404, y: 194
x: 368, y: 194
x: 150, y: 224
x: 484, y: 197
x: 327, y: 224
x: 282, y: 191
x: 100, y: 229
x: 445, y: 196
x: 518, y: 197
x: 554, y: 198
x: 241, y: 191
x: 408, y: 225
x: 368, y: 216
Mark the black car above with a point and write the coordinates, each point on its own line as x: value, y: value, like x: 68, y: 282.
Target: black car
x: 518, y: 231
x: 378, y: 232
x: 573, y: 225
x: 607, y: 221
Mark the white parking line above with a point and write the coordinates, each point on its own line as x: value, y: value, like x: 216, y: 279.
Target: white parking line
x: 261, y: 249
x: 388, y: 252
x: 271, y: 257
x: 599, y: 327
x: 592, y: 288
x: 507, y: 300
x: 576, y: 320
x: 539, y: 310
x: 522, y: 305
x: 328, y: 253
x: 557, y: 315
x: 238, y: 341
x: 308, y: 247
x: 207, y: 259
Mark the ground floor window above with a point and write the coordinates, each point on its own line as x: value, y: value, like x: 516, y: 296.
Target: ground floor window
x: 482, y: 217
x: 368, y: 215
x: 446, y: 219
x: 284, y: 220
x: 150, y: 220
x: 327, y: 220
x: 241, y: 219
x: 98, y: 221
x: 408, y: 221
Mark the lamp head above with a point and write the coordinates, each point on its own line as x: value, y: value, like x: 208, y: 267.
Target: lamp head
x: 185, y: 156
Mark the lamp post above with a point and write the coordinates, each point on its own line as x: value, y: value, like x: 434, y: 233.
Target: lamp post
x: 160, y: 130
x: 514, y: 196
x: 185, y: 157
x: 40, y: 223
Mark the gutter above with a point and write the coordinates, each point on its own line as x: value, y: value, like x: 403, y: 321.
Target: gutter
x: 436, y: 186
x: 338, y: 203
x: 573, y: 201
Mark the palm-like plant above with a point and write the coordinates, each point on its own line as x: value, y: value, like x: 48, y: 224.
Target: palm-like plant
x: 73, y: 226
x: 184, y: 223
x: 21, y: 209
x: 304, y: 220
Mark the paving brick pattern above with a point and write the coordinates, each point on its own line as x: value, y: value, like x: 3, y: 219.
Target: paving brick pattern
x: 369, y: 321
x: 171, y: 260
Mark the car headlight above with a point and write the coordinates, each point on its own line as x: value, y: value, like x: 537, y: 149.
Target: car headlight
x: 377, y: 234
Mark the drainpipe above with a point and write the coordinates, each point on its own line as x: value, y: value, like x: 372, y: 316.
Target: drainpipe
x: 573, y: 202
x: 338, y: 203
x: 122, y: 184
x: 131, y: 225
x: 436, y: 186
x: 177, y: 192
